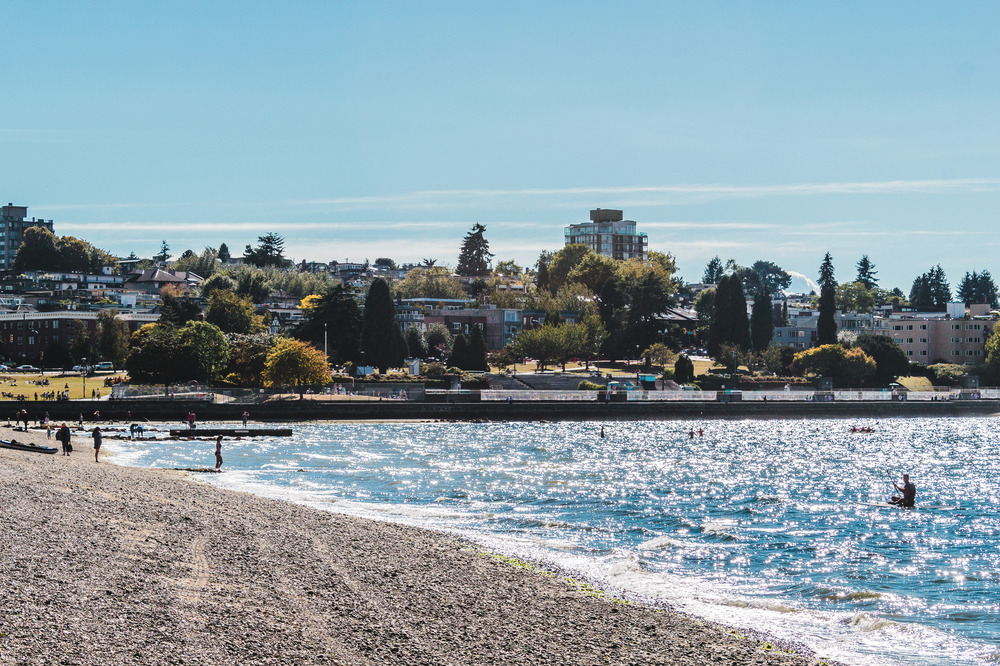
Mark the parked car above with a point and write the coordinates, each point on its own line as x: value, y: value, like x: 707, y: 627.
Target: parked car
x: 79, y: 368
x: 4, y: 368
x: 27, y: 368
x: 104, y: 366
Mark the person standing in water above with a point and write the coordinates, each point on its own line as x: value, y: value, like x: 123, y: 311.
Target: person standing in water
x: 218, y: 453
x: 909, y: 495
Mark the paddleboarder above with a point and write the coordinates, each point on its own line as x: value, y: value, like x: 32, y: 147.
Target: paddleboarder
x: 909, y: 493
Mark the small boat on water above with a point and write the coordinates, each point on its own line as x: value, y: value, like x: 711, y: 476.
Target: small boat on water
x: 22, y: 446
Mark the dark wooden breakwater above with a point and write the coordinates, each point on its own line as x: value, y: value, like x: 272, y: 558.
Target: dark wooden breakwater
x: 232, y: 433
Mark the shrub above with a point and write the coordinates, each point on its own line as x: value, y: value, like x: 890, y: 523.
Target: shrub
x: 587, y: 385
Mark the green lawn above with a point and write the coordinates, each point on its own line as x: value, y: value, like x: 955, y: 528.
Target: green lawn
x: 28, y: 384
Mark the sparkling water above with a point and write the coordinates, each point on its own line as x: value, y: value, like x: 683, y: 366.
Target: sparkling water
x: 757, y: 523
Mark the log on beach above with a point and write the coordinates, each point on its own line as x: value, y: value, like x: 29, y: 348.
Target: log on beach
x: 114, y: 565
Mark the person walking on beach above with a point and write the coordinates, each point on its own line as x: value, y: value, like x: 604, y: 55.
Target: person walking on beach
x: 98, y: 438
x: 246, y: 417
x: 218, y: 453
x: 64, y: 436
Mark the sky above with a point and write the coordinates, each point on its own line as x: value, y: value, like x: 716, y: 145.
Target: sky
x: 748, y: 130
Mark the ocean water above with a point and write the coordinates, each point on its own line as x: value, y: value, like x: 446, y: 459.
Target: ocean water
x: 756, y: 523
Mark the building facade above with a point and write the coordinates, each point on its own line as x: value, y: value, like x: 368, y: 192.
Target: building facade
x: 13, y: 222
x: 26, y: 336
x: 610, y: 235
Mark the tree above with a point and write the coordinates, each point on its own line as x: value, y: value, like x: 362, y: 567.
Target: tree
x: 248, y: 358
x: 233, y: 314
x: 993, y: 356
x: 890, y: 360
x: 761, y: 321
x: 826, y: 326
x: 415, y: 344
x: 508, y: 268
x: 379, y: 328
x: 433, y: 282
x: 112, y: 337
x: 855, y: 297
x: 269, y: 252
x: 659, y: 354
x: 224, y: 255
x: 81, y: 345
x: 439, y: 341
x: 164, y: 252
x: 978, y: 288
x: 713, y: 271
x: 826, y: 273
x: 474, y: 258
x: 767, y: 275
x: 293, y: 362
x: 683, y: 370
x: 203, y: 264
x: 564, y: 261
x: 477, y: 351
x: 204, y: 351
x: 931, y: 291
x: 867, y: 273
x: 729, y: 325
x: 216, y: 283
x: 153, y: 355
x: 542, y: 279
x: 38, y: 250
x: 593, y: 271
x: 704, y: 304
x: 177, y: 310
x: 385, y: 262
x: 460, y: 352
x: 251, y: 282
x: 334, y: 321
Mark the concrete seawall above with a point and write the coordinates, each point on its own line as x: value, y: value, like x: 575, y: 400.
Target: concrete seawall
x: 316, y: 410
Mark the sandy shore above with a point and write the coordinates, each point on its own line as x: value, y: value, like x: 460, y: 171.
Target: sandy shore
x: 104, y: 564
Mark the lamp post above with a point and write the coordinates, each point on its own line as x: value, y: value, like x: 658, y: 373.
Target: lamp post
x: 84, y: 359
x: 325, y: 353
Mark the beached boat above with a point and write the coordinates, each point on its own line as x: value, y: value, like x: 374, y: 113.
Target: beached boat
x: 21, y: 446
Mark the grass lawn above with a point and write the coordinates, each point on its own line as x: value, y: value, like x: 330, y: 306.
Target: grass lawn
x: 28, y: 384
x: 916, y: 383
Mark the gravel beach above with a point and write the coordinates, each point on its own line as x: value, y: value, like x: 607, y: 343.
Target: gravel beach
x: 104, y: 564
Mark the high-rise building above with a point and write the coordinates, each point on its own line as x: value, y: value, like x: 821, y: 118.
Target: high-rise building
x: 12, y: 226
x: 609, y: 234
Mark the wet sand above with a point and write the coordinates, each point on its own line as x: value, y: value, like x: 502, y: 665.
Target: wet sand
x: 104, y: 564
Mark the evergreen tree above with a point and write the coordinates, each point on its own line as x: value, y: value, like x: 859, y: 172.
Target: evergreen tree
x: 826, y: 275
x: 729, y: 325
x: 741, y: 323
x: 826, y: 327
x: 867, y: 273
x: 460, y: 353
x: 931, y: 291
x: 542, y: 279
x: 164, y: 252
x: 377, y: 328
x: 761, y: 321
x: 474, y: 259
x: 269, y: 252
x: 335, y: 320
x: 978, y: 288
x: 224, y: 254
x: 477, y: 350
x: 683, y: 370
x: 415, y: 344
x: 713, y: 271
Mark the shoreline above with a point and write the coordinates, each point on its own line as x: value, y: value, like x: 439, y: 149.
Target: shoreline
x: 115, y: 564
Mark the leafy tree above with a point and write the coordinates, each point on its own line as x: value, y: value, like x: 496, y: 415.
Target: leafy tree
x: 867, y: 273
x: 767, y: 275
x: 429, y: 283
x: 177, y: 310
x: 847, y: 367
x: 542, y: 279
x: 761, y: 321
x: 38, y: 250
x: 890, y: 360
x: 233, y: 314
x: 385, y: 262
x: 545, y: 344
x: 439, y: 341
x: 683, y: 370
x: 659, y: 354
x: 74, y: 255
x: 252, y: 283
x: 203, y: 264
x: 204, y: 351
x: 826, y: 273
x: 153, y: 355
x: 293, y: 362
x: 81, y: 345
x: 415, y: 344
x: 248, y: 357
x: 112, y: 337
x: 704, y: 304
x: 217, y: 282
x: 855, y: 297
x: 508, y: 268
x: 335, y: 319
x: 269, y: 252
x: 978, y: 288
x: 992, y: 364
x: 593, y: 271
x: 224, y: 255
x: 931, y: 291
x: 379, y: 328
x: 713, y: 271
x: 564, y: 261
x: 474, y: 259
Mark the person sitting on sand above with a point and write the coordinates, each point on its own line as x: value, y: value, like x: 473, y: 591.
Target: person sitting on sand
x: 218, y: 453
x: 909, y: 493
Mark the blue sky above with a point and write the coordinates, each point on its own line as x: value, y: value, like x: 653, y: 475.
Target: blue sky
x: 748, y: 130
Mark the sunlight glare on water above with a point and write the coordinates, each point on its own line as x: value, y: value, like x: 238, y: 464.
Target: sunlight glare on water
x: 756, y: 523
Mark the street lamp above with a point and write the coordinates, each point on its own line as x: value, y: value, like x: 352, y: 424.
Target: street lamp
x: 84, y: 359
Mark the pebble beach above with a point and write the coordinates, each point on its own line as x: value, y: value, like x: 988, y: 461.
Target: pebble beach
x: 104, y: 564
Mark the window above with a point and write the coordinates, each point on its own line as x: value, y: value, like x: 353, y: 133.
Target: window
x: 909, y: 341
x: 898, y: 341
x: 897, y: 327
x: 923, y: 339
x: 909, y: 327
x: 923, y: 352
x: 923, y: 327
x: 909, y: 352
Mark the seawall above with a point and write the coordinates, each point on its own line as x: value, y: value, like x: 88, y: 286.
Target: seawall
x: 321, y: 410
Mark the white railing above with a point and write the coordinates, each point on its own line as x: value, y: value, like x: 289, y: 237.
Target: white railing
x: 573, y: 396
x: 672, y: 396
x: 841, y: 395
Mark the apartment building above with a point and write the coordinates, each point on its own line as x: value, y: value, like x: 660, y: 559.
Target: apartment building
x: 935, y: 337
x: 609, y: 234
x: 13, y: 222
x: 26, y: 336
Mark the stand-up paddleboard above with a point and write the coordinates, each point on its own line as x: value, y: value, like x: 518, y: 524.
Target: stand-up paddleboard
x: 21, y: 446
x: 887, y: 505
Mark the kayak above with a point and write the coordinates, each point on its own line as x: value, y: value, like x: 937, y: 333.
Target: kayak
x: 21, y: 446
